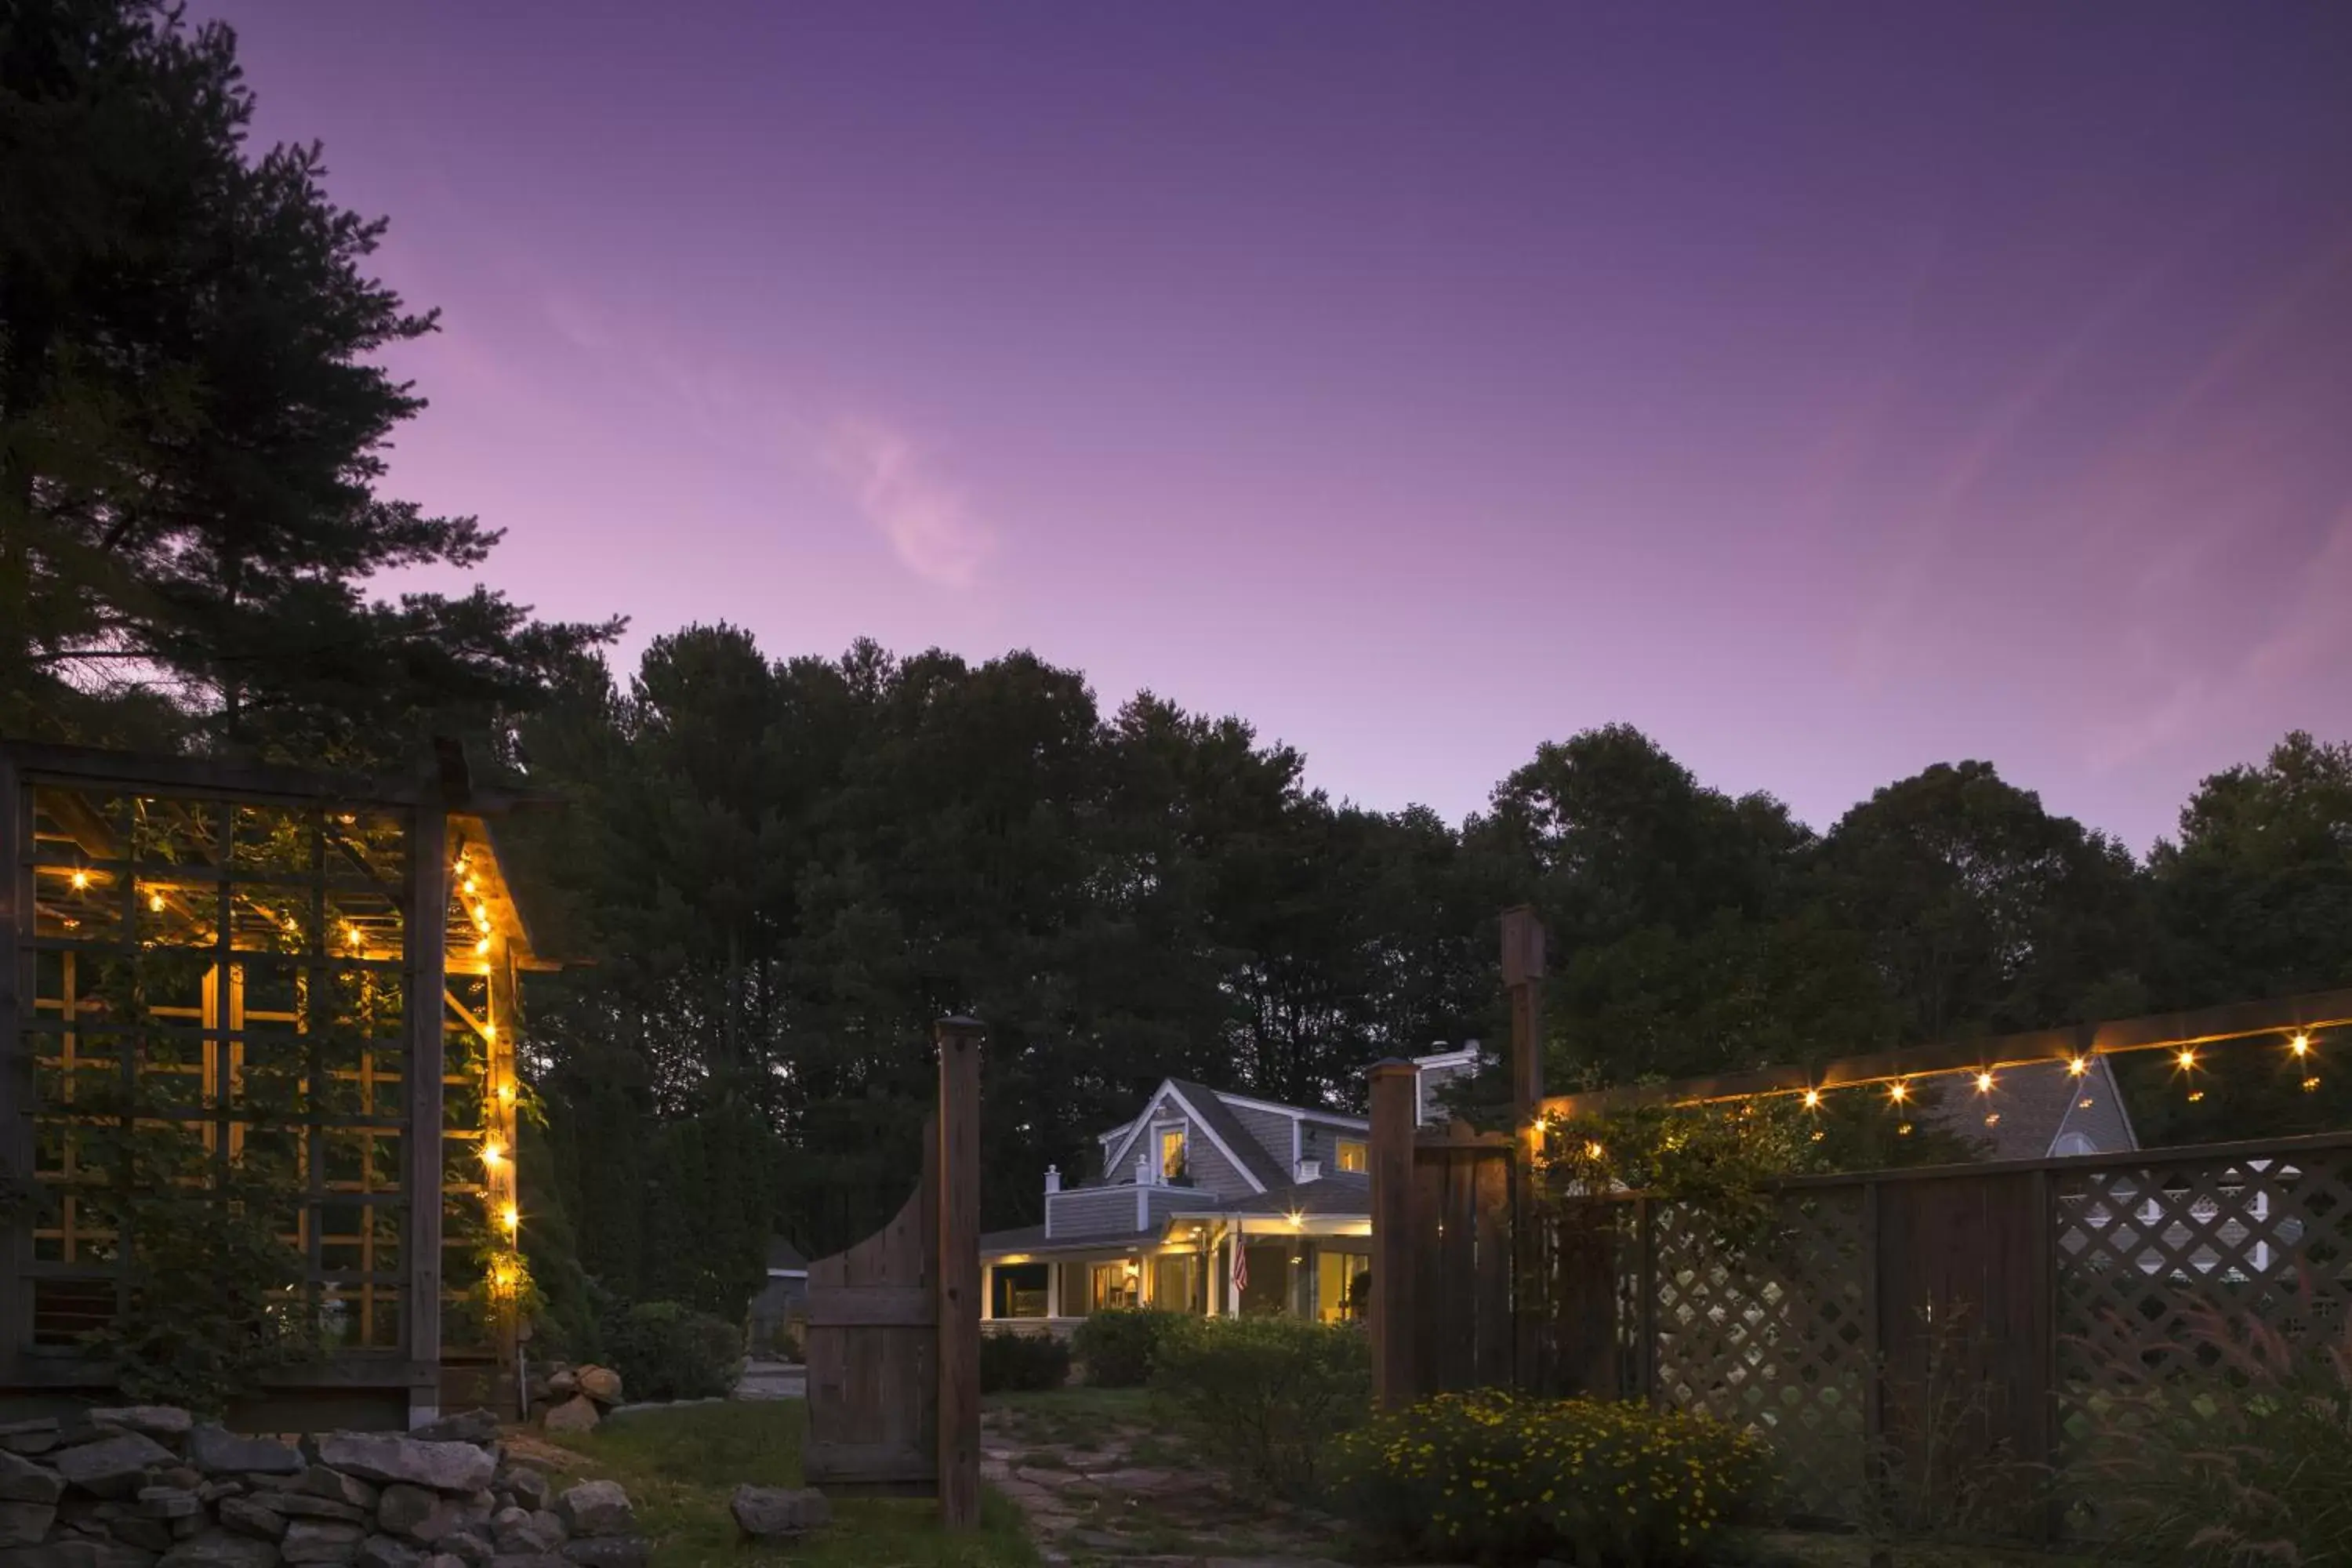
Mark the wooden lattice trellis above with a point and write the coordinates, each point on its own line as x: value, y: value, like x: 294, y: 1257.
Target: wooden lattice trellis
x: 2143, y: 1248
x: 1774, y: 1336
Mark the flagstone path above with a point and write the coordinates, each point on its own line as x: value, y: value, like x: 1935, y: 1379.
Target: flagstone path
x: 1122, y: 1495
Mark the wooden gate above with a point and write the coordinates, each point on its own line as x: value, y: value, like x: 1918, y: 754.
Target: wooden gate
x: 894, y: 1323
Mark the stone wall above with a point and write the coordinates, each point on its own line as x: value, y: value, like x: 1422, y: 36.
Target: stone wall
x: 147, y: 1487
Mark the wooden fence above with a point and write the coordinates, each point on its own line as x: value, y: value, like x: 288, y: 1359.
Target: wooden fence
x: 1948, y: 1320
x: 894, y: 1323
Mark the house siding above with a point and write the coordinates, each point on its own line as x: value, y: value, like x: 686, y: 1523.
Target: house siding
x: 1320, y: 1140
x: 1210, y: 1170
x: 1109, y: 1211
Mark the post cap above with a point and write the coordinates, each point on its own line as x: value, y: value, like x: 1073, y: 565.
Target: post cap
x: 1389, y: 1066
x: 957, y: 1024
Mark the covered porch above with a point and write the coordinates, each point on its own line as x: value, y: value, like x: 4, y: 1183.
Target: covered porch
x: 1312, y: 1266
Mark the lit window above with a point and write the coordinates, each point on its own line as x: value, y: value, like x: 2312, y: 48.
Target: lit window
x: 1350, y: 1156
x: 1171, y: 1154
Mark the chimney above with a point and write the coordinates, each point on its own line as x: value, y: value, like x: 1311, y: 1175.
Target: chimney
x: 1310, y: 1171
x: 1053, y: 1179
x: 1143, y: 1170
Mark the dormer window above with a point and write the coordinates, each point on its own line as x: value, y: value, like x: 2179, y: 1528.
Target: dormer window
x: 1171, y: 1154
x: 1350, y: 1154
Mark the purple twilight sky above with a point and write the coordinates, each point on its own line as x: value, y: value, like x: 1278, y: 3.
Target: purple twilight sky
x: 1830, y: 390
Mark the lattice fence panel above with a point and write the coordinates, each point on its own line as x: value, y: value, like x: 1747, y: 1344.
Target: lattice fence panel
x: 2145, y: 1252
x: 1775, y: 1337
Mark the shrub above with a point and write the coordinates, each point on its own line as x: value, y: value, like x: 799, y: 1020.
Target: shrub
x: 1262, y: 1398
x: 1502, y: 1479
x: 1013, y: 1362
x: 666, y: 1350
x: 1119, y: 1348
x: 2249, y: 1461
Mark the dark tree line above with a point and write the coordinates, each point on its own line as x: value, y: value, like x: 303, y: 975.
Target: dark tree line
x: 781, y: 871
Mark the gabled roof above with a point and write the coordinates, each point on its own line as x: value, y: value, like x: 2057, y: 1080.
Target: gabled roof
x: 1208, y: 1111
x: 1343, y: 1194
x: 1210, y: 1106
x: 2033, y: 1105
x: 783, y: 1258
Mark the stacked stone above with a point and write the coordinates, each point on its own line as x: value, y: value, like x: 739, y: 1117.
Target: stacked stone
x: 576, y: 1398
x: 147, y: 1487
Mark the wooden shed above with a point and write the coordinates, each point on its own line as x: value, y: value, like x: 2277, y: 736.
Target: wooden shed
x: 269, y: 968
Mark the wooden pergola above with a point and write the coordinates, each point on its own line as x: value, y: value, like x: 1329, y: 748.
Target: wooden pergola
x: 246, y: 958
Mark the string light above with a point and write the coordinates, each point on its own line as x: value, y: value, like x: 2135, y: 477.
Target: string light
x: 1593, y: 1151
x: 511, y: 1219
x: 2299, y: 1044
x: 2186, y: 1060
x: 1898, y: 1092
x: 482, y: 946
x: 494, y: 1153
x: 155, y: 902
x: 1984, y: 1083
x: 506, y: 1094
x: 1813, y: 1100
x: 2311, y: 1083
x: 81, y: 882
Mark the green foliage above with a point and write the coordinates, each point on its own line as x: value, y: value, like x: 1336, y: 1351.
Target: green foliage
x: 1119, y: 1349
x: 2246, y: 1461
x: 666, y: 1350
x: 1494, y: 1478
x: 1716, y: 1157
x: 213, y: 1297
x: 1022, y: 1363
x: 1262, y: 1398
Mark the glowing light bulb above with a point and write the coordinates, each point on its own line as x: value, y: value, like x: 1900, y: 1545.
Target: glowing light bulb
x: 80, y: 880
x: 483, y: 945
x: 1984, y: 1083
x: 1813, y: 1100
x: 2078, y: 1065
x: 1898, y: 1092
x: 2299, y: 1044
x: 2186, y: 1060
x: 490, y: 1033
x: 470, y: 884
x: 155, y: 902
x: 510, y: 1217
x: 494, y: 1153
x: 1593, y: 1151
x: 352, y: 935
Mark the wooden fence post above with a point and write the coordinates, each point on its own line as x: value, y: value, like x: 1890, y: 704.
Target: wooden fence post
x: 959, y: 1279
x: 1394, y: 1089
x: 1531, y: 1299
x: 1523, y: 968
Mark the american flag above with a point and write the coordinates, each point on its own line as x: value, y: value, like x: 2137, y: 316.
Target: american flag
x: 1241, y: 1269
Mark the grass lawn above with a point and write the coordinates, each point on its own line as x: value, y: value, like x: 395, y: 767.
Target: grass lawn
x: 680, y: 1467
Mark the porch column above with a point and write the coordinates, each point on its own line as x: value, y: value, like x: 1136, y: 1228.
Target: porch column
x: 1053, y: 1289
x: 1236, y: 1247
x: 987, y: 1291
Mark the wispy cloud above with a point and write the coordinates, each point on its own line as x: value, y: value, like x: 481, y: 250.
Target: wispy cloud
x: 930, y: 526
